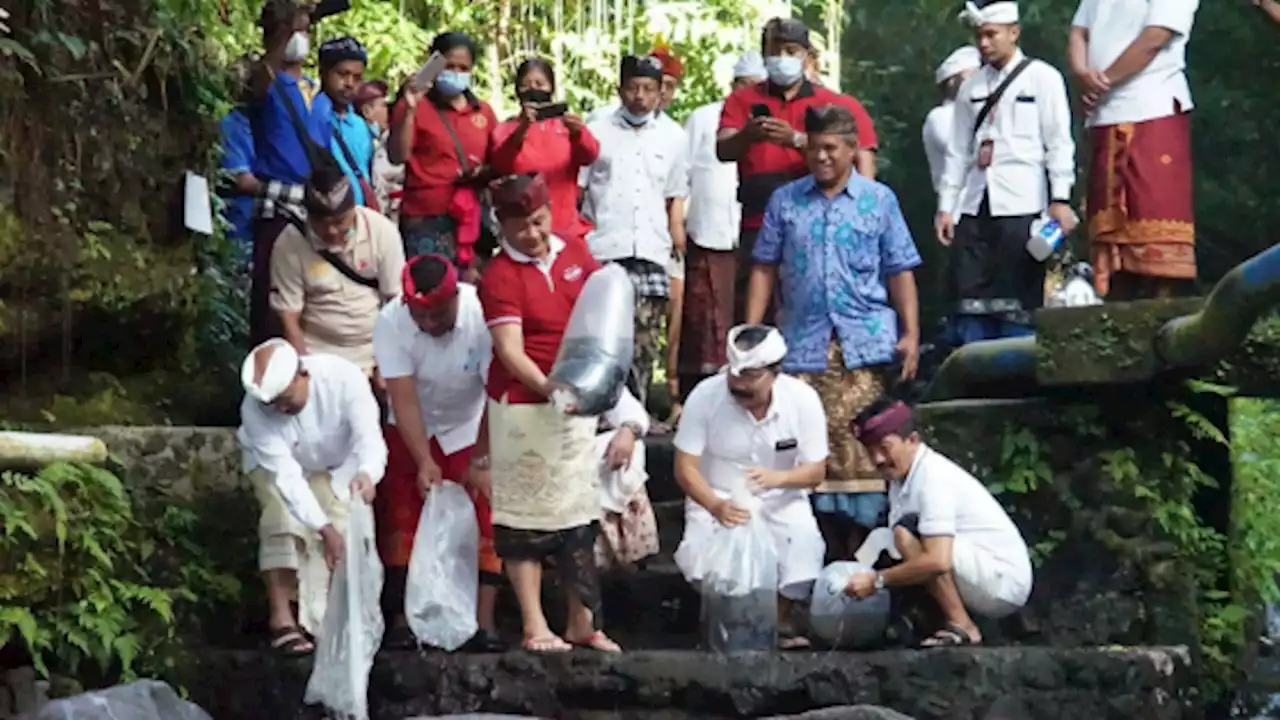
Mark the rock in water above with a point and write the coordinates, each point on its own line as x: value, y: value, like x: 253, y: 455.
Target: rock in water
x: 843, y: 622
x: 141, y: 700
x: 847, y: 712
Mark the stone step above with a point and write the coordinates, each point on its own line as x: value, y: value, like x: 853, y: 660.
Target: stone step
x: 950, y: 684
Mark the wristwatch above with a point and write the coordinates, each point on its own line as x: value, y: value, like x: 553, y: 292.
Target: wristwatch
x: 634, y: 427
x: 798, y: 140
x: 480, y: 462
x: 879, y: 581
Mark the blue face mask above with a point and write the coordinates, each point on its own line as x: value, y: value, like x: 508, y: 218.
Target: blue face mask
x: 784, y: 69
x: 452, y: 82
x: 636, y: 120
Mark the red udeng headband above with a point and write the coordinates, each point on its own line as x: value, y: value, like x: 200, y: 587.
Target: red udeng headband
x: 439, y: 295
x: 883, y: 425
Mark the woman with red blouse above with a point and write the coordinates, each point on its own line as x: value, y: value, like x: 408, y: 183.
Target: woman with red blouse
x: 442, y: 136
x: 543, y: 463
x: 556, y: 148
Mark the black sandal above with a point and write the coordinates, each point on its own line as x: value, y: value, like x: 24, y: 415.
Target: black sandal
x: 291, y: 642
x: 950, y: 636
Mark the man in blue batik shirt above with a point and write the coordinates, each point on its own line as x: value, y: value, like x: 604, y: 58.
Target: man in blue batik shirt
x: 237, y: 163
x: 839, y: 246
x: 342, y: 62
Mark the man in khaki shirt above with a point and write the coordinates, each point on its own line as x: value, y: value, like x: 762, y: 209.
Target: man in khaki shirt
x: 329, y: 284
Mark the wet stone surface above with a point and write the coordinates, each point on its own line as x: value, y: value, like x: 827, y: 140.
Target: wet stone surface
x: 950, y: 684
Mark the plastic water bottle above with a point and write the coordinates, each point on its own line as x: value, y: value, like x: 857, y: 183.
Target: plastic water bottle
x: 1046, y: 237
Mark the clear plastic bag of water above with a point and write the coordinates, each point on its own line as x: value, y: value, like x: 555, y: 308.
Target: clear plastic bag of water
x: 441, y: 590
x: 598, y: 345
x: 842, y: 622
x: 352, y: 628
x: 740, y: 586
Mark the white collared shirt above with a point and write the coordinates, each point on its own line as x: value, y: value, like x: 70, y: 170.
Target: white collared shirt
x: 713, y: 214
x: 728, y: 440
x: 628, y: 186
x: 449, y: 371
x: 951, y: 502
x: 1151, y: 94
x: 1030, y: 129
x: 338, y: 431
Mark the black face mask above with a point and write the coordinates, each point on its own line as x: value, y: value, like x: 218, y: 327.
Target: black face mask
x: 534, y: 97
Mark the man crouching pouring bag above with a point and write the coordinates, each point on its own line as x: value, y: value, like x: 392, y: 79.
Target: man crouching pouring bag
x: 311, y: 436
x: 953, y: 536
x: 755, y: 429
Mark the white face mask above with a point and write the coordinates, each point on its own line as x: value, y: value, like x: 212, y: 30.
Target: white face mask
x: 298, y: 48
x: 784, y: 70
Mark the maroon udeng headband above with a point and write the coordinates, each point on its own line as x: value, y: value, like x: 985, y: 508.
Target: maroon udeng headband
x: 880, y: 426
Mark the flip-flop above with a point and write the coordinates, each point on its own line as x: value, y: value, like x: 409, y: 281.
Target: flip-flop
x: 546, y: 644
x: 950, y: 636
x: 599, y: 642
x: 290, y: 642
x: 793, y: 642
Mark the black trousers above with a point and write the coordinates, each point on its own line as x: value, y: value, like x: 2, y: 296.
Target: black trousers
x: 990, y: 263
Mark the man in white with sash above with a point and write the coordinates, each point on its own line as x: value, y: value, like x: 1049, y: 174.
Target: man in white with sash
x: 753, y: 428
x: 310, y: 434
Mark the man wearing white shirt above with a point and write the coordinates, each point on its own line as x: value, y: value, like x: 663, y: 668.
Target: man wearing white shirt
x: 952, y: 535
x: 949, y: 76
x: 1130, y: 60
x: 433, y: 349
x: 310, y: 434
x: 628, y: 527
x: 634, y: 195
x: 754, y: 430
x: 713, y: 217
x: 1010, y: 158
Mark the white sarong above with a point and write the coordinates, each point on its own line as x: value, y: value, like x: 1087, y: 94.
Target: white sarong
x: 546, y: 475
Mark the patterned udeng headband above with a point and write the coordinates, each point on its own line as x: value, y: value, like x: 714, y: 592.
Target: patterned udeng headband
x: 889, y: 422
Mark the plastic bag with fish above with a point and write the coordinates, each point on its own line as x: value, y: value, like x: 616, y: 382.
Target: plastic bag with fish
x: 739, y: 571
x: 842, y: 622
x: 598, y: 345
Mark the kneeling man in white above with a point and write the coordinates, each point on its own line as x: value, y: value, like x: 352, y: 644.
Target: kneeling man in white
x: 754, y: 429
x: 311, y: 436
x: 953, y: 536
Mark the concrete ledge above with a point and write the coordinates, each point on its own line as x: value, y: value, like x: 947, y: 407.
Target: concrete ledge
x: 950, y: 684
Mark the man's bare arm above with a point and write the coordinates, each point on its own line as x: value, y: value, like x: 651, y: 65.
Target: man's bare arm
x: 691, y: 481
x: 1139, y: 54
x: 905, y: 298
x: 934, y: 561
x: 867, y: 163
x: 402, y: 392
x: 291, y: 320
x: 760, y: 290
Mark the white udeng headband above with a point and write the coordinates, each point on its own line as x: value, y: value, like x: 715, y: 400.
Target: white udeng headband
x: 965, y: 58
x: 770, y: 351
x: 282, y: 367
x: 1000, y: 13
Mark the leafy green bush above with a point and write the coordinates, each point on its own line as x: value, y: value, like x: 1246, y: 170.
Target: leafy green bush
x: 82, y: 578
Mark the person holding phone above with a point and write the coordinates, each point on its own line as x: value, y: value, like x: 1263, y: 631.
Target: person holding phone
x: 441, y: 131
x: 546, y: 138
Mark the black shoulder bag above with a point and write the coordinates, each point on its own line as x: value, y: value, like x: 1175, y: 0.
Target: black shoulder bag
x: 994, y: 98
x: 310, y: 146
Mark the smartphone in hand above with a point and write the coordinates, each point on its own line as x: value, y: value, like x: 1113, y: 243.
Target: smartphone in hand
x: 759, y: 110
x: 427, y: 74
x: 553, y: 110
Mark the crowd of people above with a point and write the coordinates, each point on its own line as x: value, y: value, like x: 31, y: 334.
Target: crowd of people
x: 415, y: 262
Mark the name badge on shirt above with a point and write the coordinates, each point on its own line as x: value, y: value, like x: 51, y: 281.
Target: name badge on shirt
x: 785, y: 445
x: 985, y: 152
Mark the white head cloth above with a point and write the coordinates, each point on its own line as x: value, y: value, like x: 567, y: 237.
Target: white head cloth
x: 280, y: 369
x: 751, y: 64
x: 965, y: 58
x: 770, y: 351
x: 999, y: 13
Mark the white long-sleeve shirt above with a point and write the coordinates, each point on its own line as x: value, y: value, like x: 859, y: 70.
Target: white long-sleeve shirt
x: 338, y: 431
x: 713, y: 215
x: 936, y: 134
x: 1030, y: 129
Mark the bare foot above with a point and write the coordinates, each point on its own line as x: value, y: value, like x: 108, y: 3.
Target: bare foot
x: 549, y: 643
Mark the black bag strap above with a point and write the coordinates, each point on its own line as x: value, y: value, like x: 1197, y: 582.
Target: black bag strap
x: 338, y: 263
x: 999, y: 93
x: 460, y: 151
x: 303, y: 136
x: 346, y: 153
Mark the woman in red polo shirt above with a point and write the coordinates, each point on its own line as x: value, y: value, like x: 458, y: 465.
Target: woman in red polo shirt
x: 556, y: 148
x: 442, y: 134
x: 544, y: 462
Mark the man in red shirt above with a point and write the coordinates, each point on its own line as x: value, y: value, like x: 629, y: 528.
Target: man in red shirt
x: 544, y: 462
x: 761, y: 129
